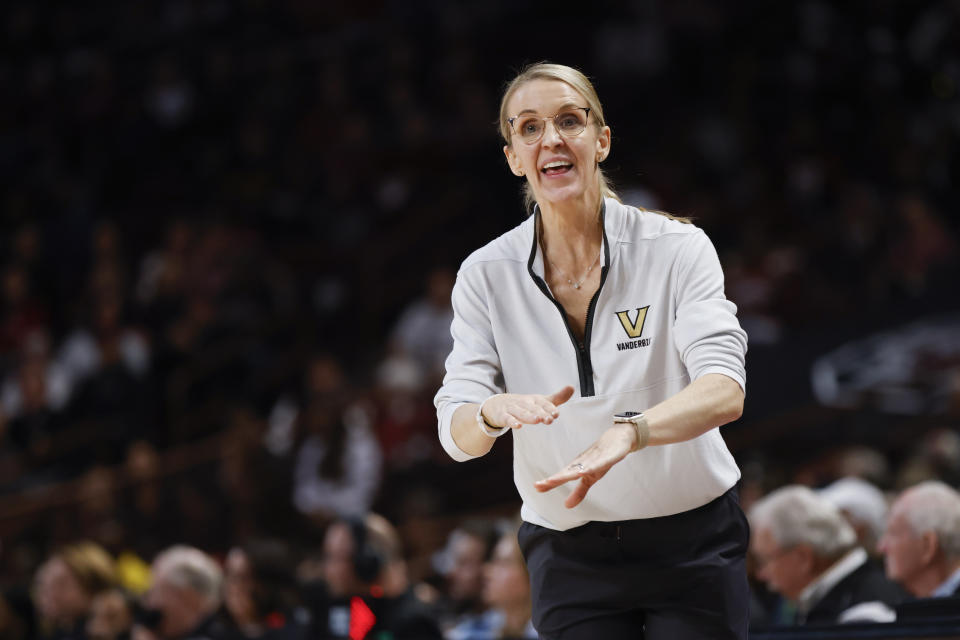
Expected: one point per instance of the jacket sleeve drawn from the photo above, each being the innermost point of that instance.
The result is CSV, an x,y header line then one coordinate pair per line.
x,y
706,331
473,370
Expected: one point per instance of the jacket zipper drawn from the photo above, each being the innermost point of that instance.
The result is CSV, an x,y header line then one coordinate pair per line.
x,y
584,363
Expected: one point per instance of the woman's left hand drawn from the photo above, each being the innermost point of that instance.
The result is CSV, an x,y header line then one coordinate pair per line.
x,y
591,465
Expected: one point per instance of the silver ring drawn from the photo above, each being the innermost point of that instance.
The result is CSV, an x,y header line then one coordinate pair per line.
x,y
579,466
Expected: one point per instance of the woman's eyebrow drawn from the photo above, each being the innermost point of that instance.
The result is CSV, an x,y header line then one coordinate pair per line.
x,y
565,105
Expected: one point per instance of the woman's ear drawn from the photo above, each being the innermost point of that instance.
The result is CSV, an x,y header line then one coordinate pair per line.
x,y
512,160
603,144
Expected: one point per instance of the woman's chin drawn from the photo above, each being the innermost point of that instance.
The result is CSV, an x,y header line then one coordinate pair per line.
x,y
559,195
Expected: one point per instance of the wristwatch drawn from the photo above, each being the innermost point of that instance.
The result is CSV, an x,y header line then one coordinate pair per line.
x,y
639,422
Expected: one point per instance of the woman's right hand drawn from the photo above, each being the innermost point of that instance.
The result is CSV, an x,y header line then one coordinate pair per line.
x,y
513,410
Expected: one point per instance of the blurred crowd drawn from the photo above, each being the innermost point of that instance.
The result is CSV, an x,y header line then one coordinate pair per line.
x,y
229,233
354,583
845,553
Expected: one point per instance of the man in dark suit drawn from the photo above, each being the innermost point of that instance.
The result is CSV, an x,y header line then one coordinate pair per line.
x,y
806,551
921,543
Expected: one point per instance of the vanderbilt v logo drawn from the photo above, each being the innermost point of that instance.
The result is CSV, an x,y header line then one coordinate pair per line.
x,y
633,329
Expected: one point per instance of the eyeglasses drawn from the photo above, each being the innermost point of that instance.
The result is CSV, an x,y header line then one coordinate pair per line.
x,y
568,123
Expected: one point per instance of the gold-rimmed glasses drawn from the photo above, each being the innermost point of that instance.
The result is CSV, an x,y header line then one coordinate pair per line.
x,y
568,123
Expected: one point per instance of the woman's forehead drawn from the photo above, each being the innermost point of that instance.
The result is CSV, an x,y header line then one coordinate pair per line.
x,y
543,95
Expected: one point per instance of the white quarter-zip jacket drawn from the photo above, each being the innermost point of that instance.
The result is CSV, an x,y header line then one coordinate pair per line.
x,y
658,320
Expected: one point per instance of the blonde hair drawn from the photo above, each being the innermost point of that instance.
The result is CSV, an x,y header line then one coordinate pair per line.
x,y
579,83
582,85
383,537
91,564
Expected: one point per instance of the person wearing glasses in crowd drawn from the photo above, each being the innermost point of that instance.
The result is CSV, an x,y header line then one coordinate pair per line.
x,y
806,551
598,334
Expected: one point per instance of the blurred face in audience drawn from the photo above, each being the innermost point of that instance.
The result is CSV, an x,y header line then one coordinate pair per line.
x,y
785,570
59,596
904,551
465,580
338,555
181,609
110,616
505,577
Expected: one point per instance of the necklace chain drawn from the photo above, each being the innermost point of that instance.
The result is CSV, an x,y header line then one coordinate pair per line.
x,y
579,283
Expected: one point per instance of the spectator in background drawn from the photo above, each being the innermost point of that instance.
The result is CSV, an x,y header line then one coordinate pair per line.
x,y
404,414
808,553
260,594
31,432
146,501
255,483
934,456
96,516
34,396
423,331
924,244
106,339
468,549
864,507
921,544
364,570
108,363
506,593
65,588
107,273
337,468
183,598
29,252
21,313
164,273
111,616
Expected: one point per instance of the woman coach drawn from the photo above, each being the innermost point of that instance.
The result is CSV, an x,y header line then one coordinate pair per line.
x,y
628,307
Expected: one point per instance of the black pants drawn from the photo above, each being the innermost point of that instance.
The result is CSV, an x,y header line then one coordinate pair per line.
x,y
676,577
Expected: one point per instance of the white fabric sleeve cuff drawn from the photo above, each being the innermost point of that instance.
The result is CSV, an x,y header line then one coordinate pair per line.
x,y
484,426
444,419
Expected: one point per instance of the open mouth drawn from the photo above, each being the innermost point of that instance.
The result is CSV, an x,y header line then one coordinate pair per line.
x,y
556,168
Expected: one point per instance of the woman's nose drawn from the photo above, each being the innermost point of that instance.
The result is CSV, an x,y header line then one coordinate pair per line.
x,y
551,136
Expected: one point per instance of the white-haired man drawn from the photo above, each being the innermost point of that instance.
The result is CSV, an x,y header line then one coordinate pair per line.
x,y
921,545
808,553
863,505
183,598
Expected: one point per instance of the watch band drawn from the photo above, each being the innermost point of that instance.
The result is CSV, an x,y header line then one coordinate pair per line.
x,y
640,426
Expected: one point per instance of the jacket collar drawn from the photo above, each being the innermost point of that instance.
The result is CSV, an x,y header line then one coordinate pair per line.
x,y
610,220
